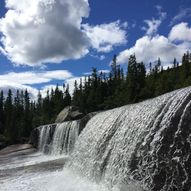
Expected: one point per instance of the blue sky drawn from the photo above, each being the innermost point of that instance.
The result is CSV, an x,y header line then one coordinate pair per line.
x,y
48,42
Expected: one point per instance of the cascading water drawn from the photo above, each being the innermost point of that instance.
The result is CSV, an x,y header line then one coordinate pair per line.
x,y
147,144
144,146
59,139
44,136
65,137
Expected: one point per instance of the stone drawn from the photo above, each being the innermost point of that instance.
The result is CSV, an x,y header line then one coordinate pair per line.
x,y
69,113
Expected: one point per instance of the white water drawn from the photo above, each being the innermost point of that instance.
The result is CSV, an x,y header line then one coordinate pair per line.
x,y
31,159
124,149
136,143
44,136
63,138
52,181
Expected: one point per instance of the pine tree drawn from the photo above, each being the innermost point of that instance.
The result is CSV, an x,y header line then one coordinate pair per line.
x,y
27,115
114,66
9,131
67,97
135,78
2,112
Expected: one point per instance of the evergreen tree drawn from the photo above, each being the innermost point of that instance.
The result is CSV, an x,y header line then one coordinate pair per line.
x,y
135,78
9,131
67,97
1,112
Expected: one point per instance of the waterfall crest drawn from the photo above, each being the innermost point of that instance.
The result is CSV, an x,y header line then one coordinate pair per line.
x,y
148,143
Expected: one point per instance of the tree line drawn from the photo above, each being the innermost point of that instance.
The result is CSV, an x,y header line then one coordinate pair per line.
x,y
99,91
19,114
102,91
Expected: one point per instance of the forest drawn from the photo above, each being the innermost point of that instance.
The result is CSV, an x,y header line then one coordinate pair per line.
x,y
96,92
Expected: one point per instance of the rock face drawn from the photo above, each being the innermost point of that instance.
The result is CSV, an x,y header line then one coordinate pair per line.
x,y
69,113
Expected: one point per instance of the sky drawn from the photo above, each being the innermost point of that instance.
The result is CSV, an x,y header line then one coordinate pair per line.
x,y
49,42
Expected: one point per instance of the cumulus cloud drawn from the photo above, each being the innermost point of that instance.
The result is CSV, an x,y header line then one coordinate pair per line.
x,y
148,49
40,31
153,24
44,31
30,78
180,32
103,37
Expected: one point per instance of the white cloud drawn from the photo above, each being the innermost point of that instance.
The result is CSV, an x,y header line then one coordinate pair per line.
x,y
40,31
44,31
103,37
154,24
180,32
14,86
25,80
184,12
30,78
148,49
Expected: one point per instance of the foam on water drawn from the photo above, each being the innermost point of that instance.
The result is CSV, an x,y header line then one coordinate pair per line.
x,y
53,181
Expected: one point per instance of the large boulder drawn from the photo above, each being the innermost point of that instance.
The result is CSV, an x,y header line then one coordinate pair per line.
x,y
69,113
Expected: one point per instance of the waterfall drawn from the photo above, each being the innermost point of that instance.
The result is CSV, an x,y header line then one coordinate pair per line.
x,y
58,139
64,137
44,136
143,146
148,144
138,147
